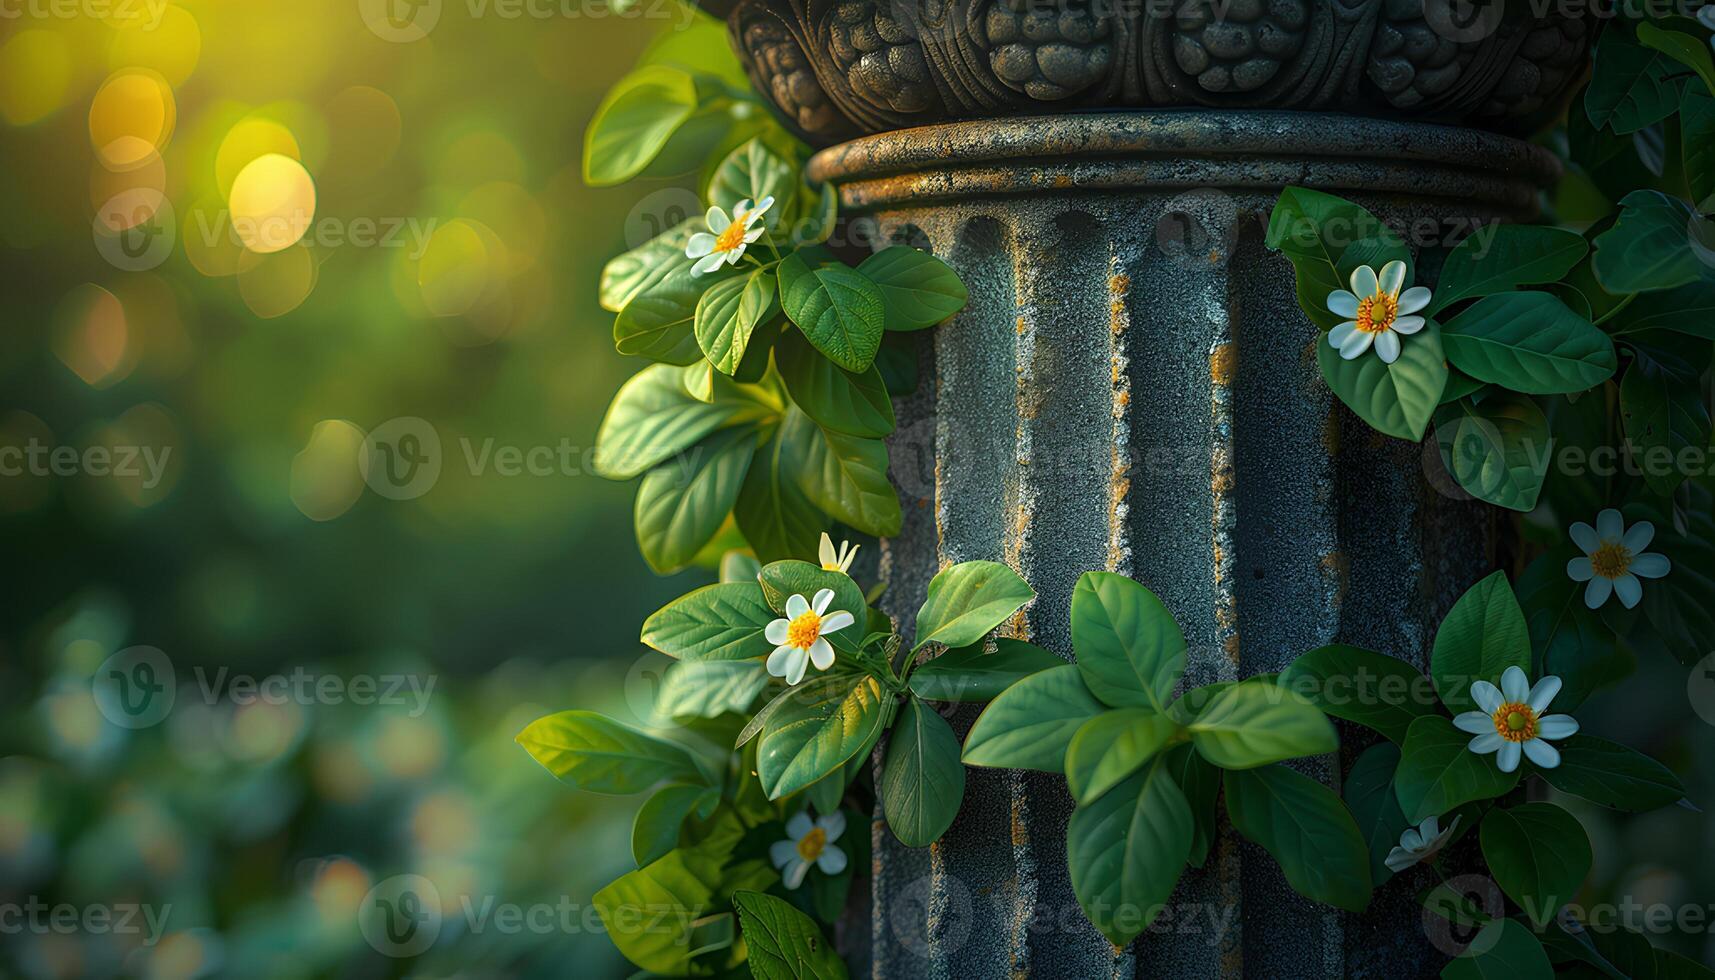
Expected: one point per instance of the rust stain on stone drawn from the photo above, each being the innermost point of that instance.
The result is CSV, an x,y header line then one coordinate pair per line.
x,y
1223,361
1336,568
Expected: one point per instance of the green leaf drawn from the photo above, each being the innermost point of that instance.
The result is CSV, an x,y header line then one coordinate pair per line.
x,y
1481,637
1111,746
655,831
635,121
1395,399
680,509
739,567
841,312
1498,450
729,311
1306,828
918,289
783,579
1030,724
1504,257
1632,86
1372,689
715,622
1438,771
1650,246
817,730
1697,147
751,173
1529,342
837,399
969,674
1256,722
967,600
599,755
1688,309
654,418
1539,855
1503,950
777,518
670,892
1613,775
1689,46
1129,648
1201,783
1127,850
709,688
1375,807
1304,224
1664,411
659,323
630,274
844,475
922,781
784,943
1567,638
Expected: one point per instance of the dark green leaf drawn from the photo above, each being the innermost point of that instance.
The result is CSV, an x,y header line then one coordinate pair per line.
x,y
1566,637
816,731
1395,399
1129,648
1375,807
1306,828
751,173
841,312
1539,855
1500,258
970,674
1438,771
776,517
922,781
1377,691
837,399
1650,246
653,418
1201,783
844,475
1499,450
1111,746
716,622
729,311
1613,775
644,266
1481,637
1529,342
1503,950
656,829
783,579
784,943
680,508
1632,87
918,289
1258,722
1127,850
1030,724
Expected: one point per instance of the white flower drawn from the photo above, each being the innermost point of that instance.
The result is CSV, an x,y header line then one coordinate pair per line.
x,y
837,561
1512,720
810,843
731,235
1613,560
1420,843
1377,311
800,637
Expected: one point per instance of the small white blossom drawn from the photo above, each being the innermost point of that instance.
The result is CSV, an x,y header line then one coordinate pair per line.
x,y
801,636
1377,312
1420,843
1613,559
1512,720
810,842
837,560
731,236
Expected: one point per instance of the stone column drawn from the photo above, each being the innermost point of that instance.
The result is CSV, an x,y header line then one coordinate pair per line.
x,y
1134,388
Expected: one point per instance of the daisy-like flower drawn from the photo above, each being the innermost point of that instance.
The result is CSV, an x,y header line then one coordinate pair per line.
x,y
1512,720
812,842
731,236
840,560
801,638
1420,843
1614,560
1377,312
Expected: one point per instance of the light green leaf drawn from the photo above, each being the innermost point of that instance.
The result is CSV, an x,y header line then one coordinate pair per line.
x,y
709,688
1499,450
1129,648
1030,724
653,418
599,755
918,289
844,475
671,892
967,600
1483,635
1503,257
841,312
630,274
751,173
1307,830
1539,855
816,731
1613,775
1503,950
729,311
1127,850
837,399
1395,399
635,121
679,510
922,781
1258,722
655,831
970,674
1438,771
784,943
659,323
1372,689
1111,746
1529,342
1650,246
715,622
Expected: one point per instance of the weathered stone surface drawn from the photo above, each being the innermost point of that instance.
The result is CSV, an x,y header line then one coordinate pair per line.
x,y
842,68
1133,388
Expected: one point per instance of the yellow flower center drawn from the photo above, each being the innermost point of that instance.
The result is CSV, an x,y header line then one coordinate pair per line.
x,y
1611,560
830,566
811,845
730,239
1376,313
1515,722
803,631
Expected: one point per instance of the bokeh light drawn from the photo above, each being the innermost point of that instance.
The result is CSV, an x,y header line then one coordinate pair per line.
x,y
272,202
131,118
91,336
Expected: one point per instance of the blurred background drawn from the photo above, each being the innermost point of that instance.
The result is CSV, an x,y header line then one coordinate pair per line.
x,y
237,238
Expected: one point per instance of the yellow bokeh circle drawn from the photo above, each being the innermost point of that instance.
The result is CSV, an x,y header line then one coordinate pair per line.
x,y
131,118
272,203
164,38
248,139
